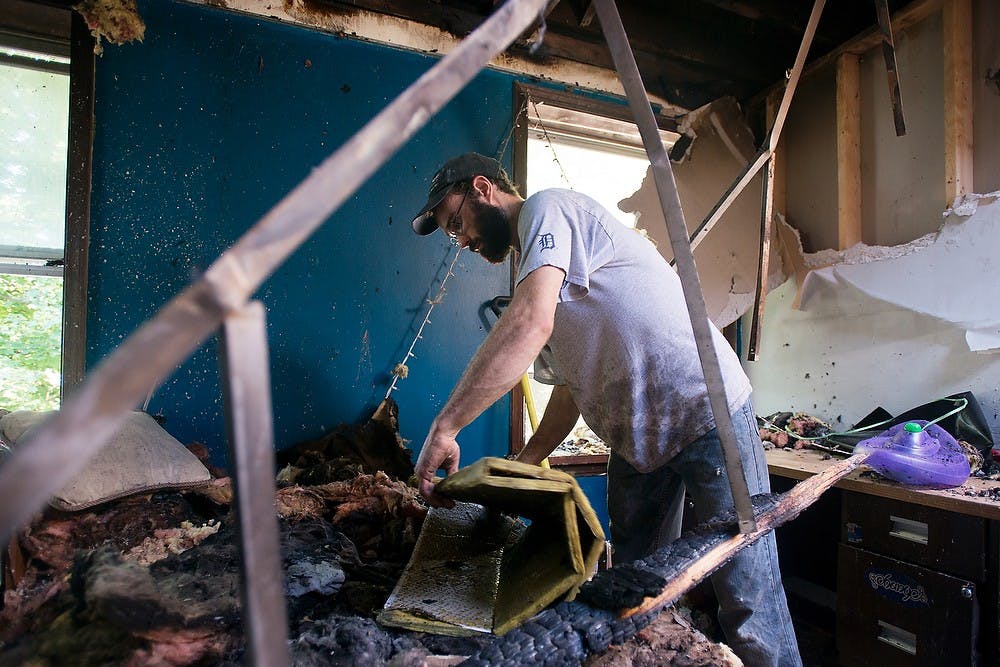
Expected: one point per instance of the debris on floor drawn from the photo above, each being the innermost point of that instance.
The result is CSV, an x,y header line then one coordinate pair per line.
x,y
584,442
786,429
154,579
670,639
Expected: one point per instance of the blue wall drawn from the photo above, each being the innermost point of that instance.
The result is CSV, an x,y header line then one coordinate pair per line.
x,y
207,124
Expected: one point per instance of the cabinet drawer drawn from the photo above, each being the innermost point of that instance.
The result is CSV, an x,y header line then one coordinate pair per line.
x,y
942,540
894,613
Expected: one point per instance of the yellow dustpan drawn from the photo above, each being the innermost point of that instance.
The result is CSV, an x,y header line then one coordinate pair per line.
x,y
474,569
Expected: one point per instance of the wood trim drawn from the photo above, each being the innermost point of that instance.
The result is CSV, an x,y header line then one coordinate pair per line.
x,y
958,139
848,150
78,184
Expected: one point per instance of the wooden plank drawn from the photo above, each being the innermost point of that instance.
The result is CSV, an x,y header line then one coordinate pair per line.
x,y
966,499
958,138
780,180
62,445
848,150
628,72
792,503
763,263
78,183
889,55
246,389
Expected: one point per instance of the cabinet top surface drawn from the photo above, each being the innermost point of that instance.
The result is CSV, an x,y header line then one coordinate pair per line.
x,y
977,497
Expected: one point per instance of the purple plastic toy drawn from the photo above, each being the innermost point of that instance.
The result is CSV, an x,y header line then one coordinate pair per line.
x,y
917,454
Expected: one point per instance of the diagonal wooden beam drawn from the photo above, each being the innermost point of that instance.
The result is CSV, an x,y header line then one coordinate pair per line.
x,y
789,506
763,262
628,72
63,444
889,53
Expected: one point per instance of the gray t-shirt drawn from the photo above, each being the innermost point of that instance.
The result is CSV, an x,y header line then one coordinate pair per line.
x,y
622,340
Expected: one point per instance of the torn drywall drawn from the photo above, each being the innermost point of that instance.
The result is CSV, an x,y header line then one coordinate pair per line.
x,y
850,353
946,275
727,258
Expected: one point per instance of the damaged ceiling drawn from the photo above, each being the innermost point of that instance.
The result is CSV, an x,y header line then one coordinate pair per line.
x,y
689,52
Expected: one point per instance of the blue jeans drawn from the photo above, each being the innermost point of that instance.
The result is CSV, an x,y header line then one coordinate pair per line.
x,y
645,511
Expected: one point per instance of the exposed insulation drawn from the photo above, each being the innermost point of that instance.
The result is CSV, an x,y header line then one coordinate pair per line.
x,y
117,21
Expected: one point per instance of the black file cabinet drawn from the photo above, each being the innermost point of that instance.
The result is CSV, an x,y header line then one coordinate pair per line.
x,y
916,585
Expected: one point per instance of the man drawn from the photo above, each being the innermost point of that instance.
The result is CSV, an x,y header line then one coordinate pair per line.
x,y
607,315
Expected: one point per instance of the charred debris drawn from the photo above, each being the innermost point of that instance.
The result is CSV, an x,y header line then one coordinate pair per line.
x,y
154,579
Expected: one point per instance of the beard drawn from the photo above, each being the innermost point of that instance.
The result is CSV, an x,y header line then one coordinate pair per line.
x,y
493,243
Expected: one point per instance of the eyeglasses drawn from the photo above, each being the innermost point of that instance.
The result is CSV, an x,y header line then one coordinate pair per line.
x,y
455,225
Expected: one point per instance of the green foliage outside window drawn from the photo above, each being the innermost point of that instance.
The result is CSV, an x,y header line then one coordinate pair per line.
x,y
30,329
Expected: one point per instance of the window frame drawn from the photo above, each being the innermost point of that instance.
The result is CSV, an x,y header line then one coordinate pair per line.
x,y
64,32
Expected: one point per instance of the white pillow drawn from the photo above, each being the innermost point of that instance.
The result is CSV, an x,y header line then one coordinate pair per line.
x,y
140,457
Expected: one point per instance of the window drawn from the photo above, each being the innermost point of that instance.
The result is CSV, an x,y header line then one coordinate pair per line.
x,y
568,141
40,297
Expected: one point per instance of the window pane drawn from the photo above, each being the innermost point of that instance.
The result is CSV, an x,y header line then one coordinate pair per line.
x,y
30,326
608,174
34,110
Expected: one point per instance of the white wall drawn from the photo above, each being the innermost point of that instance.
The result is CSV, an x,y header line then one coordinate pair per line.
x,y
848,352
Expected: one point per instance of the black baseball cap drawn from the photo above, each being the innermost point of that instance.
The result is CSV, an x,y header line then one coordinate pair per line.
x,y
455,170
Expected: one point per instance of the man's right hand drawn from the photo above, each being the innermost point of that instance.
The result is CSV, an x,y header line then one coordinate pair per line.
x,y
440,450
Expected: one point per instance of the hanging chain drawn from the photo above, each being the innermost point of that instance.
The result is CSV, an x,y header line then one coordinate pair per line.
x,y
401,370
548,142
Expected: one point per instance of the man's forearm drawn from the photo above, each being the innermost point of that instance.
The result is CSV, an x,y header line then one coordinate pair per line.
x,y
508,350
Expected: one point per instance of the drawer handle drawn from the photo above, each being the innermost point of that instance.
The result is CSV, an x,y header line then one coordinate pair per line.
x,y
908,529
898,637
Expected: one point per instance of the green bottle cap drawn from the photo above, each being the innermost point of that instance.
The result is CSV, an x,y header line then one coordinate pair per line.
x,y
913,427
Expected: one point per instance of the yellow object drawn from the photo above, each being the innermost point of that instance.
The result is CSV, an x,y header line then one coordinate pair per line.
x,y
529,402
476,570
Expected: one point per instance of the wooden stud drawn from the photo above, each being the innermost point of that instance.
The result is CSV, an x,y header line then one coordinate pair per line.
x,y
848,150
957,46
763,262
